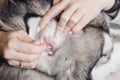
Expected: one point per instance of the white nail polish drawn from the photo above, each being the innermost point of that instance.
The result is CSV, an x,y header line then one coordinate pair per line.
x,y
38,29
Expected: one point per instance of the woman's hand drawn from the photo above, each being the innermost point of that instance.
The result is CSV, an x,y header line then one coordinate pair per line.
x,y
19,49
74,14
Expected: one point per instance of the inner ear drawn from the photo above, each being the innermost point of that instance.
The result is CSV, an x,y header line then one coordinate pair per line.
x,y
27,17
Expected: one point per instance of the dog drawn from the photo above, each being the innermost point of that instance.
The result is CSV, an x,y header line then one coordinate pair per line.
x,y
74,55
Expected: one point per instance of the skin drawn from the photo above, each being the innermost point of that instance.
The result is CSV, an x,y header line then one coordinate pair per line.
x,y
74,14
17,46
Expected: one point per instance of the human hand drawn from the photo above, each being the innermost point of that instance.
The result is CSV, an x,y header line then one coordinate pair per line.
x,y
74,14
19,49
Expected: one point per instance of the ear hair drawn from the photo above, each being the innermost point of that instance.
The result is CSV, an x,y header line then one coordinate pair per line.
x,y
3,6
4,26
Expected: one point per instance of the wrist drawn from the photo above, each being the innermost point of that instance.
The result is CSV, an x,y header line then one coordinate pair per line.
x,y
114,14
112,8
109,4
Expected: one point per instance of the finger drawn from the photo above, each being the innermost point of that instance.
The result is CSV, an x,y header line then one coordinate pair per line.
x,y
67,30
23,36
28,65
18,56
37,43
65,17
22,64
56,1
53,12
75,18
25,47
13,63
82,23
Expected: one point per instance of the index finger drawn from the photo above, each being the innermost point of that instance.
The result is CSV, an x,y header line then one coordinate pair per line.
x,y
25,47
53,12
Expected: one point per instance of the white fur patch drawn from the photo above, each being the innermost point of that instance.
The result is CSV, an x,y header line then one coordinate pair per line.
x,y
33,25
103,72
115,31
107,43
107,48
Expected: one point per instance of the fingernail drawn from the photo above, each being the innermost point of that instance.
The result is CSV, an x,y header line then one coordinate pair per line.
x,y
41,28
67,32
38,29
